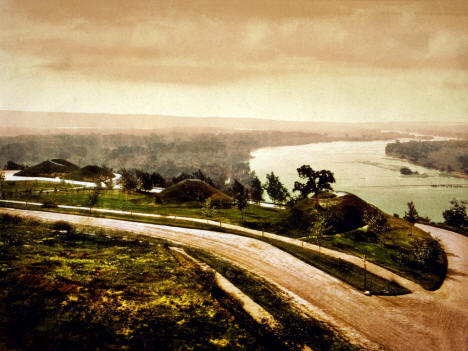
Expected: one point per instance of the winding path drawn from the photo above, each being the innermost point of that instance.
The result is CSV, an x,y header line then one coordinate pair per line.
x,y
418,321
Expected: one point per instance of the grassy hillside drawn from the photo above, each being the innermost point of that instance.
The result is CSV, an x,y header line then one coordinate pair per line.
x,y
190,190
90,173
50,168
64,169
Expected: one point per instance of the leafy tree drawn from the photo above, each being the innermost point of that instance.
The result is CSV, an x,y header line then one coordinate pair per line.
x,y
456,215
424,251
144,180
92,200
237,188
158,180
275,189
256,190
207,209
411,215
10,165
241,196
376,221
319,227
128,180
317,181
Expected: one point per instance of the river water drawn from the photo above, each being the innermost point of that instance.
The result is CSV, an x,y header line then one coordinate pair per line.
x,y
363,168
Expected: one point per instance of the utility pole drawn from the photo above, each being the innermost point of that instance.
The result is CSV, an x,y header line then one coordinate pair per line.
x,y
365,274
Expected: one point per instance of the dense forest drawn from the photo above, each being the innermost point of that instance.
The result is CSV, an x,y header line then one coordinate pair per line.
x,y
220,156
450,155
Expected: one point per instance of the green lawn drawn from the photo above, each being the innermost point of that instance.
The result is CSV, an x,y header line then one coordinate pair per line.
x,y
28,185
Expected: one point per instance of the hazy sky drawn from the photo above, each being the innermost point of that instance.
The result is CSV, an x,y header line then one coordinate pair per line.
x,y
332,60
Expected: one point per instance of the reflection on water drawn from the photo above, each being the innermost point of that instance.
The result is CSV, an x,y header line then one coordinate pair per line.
x,y
364,169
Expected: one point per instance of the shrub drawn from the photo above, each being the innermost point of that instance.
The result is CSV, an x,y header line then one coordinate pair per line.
x,y
221,203
49,204
9,219
456,215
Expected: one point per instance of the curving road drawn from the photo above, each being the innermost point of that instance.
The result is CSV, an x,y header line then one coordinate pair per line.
x,y
418,321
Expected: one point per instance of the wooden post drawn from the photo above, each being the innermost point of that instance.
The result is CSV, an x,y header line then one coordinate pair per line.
x,y
365,274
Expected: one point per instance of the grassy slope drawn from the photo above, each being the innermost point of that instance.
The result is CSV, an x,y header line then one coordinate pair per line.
x,y
90,174
48,168
65,291
191,190
28,185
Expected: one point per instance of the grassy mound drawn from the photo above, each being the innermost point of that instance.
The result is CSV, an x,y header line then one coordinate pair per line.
x,y
190,190
344,213
90,173
50,168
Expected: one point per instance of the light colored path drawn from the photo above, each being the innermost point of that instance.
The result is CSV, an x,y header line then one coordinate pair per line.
x,y
10,176
358,261
419,321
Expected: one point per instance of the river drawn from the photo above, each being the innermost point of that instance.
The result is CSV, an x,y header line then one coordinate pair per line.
x,y
363,168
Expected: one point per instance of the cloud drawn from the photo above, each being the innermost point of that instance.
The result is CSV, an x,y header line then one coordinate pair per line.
x,y
208,42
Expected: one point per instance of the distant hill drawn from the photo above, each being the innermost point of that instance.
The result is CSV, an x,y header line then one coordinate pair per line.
x,y
67,170
26,122
191,190
13,166
50,168
90,173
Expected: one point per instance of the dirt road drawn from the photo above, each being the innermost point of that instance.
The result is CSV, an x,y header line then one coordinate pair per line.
x,y
418,321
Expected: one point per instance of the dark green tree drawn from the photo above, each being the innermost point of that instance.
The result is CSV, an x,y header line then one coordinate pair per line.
x,y
144,180
317,182
128,180
158,180
93,199
376,221
456,215
241,196
256,190
411,215
275,189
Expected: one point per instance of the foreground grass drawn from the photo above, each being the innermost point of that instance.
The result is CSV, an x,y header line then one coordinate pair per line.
x,y
60,290
33,185
346,272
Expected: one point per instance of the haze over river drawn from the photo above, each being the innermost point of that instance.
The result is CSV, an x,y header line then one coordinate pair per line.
x,y
363,168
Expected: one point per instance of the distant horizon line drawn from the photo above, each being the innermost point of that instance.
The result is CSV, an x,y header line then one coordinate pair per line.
x,y
238,117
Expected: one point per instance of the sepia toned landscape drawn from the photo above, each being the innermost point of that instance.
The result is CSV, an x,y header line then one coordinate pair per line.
x,y
237,175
